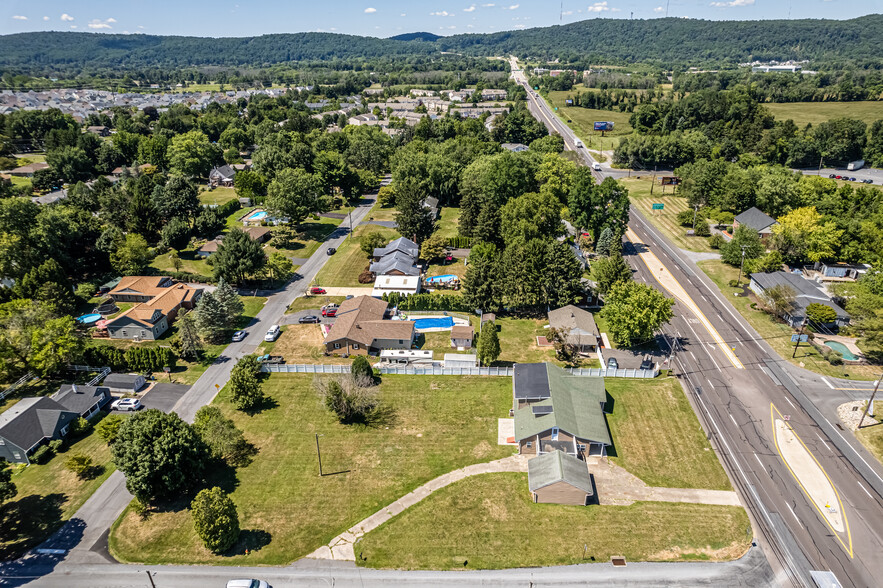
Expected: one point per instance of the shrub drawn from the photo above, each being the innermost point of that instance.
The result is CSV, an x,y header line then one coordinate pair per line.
x,y
348,400
56,445
80,427
81,465
702,229
733,283
366,277
820,313
716,240
215,519
109,427
42,455
685,218
361,371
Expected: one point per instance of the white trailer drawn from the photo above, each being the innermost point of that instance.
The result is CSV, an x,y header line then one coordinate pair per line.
x,y
854,165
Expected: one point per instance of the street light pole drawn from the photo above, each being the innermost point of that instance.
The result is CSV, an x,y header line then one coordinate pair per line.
x,y
870,402
741,263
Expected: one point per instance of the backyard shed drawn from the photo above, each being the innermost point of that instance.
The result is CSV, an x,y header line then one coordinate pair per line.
x,y
558,478
125,383
461,360
461,336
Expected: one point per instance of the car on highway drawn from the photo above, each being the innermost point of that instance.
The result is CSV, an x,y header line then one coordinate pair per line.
x,y
612,364
317,290
331,251
127,404
238,336
272,333
310,318
838,178
247,584
832,176
867,181
596,166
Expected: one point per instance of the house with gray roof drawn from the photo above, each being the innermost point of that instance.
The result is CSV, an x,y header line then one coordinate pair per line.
x,y
395,264
555,410
757,220
806,292
29,423
86,401
221,175
401,245
559,478
579,325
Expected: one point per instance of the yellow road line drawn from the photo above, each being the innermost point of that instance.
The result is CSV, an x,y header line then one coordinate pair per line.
x,y
848,549
651,261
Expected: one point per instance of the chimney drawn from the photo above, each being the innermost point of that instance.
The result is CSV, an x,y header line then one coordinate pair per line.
x,y
76,390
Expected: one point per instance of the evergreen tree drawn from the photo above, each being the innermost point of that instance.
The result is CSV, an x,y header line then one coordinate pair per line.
x,y
210,318
238,257
413,220
189,345
604,242
361,371
176,234
481,284
245,384
488,346
230,303
215,519
608,271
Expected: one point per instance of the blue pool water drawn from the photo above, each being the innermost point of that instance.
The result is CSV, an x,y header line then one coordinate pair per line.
x,y
434,323
88,319
842,350
258,215
445,278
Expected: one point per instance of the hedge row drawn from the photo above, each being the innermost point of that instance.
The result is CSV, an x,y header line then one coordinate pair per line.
x,y
135,359
228,208
459,242
429,301
189,277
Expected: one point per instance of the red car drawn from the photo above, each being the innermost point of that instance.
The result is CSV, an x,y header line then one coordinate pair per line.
x,y
329,311
317,290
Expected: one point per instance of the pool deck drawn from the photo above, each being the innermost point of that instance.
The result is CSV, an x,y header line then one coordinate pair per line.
x,y
848,342
457,321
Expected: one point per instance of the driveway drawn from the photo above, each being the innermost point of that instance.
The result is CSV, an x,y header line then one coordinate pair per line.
x,y
291,319
628,359
163,396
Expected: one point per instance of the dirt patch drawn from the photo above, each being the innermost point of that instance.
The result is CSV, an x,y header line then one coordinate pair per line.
x,y
850,414
731,552
495,510
483,449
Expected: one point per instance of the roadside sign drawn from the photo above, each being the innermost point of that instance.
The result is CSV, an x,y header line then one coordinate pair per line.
x,y
795,338
799,338
604,125
166,369
658,206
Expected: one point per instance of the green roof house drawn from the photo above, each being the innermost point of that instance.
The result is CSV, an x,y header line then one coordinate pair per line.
x,y
555,410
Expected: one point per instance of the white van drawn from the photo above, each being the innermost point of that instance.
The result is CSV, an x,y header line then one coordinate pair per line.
x,y
596,166
273,333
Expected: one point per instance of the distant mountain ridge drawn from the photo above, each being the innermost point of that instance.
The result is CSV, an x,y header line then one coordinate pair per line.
x,y
671,41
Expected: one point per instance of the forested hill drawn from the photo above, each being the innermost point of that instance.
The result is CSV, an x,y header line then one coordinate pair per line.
x,y
667,41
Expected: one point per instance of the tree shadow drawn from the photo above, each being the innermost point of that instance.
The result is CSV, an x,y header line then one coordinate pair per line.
x,y
29,519
383,415
268,403
26,570
250,540
222,475
92,472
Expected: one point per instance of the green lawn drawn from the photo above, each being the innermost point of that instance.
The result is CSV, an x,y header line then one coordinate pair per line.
x,y
20,181
189,262
490,522
286,510
343,268
778,334
448,223
518,341
220,195
583,120
666,219
804,113
47,496
380,213
308,302
657,437
872,436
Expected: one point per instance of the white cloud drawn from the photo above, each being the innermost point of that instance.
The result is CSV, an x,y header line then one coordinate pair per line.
x,y
73,26
111,20
512,7
598,7
732,4
370,10
98,24
567,12
451,28
659,9
490,5
470,9
67,17
470,26
19,17
519,26
45,18
403,14
441,13
141,27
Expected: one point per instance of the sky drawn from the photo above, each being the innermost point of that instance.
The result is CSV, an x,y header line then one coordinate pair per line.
x,y
382,18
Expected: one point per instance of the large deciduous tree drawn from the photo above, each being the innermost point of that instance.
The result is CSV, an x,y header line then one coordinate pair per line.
x,y
245,384
191,154
131,256
634,312
294,194
179,198
803,235
413,220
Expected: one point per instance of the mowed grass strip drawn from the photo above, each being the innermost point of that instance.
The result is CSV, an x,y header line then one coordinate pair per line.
x,y
666,219
583,121
658,438
872,436
343,268
48,495
490,522
804,113
777,333
286,510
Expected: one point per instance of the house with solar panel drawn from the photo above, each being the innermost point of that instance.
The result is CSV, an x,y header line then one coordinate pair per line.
x,y
557,411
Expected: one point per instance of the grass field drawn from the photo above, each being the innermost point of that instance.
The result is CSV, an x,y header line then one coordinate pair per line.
x,y
18,181
657,437
286,510
872,436
489,521
778,334
343,268
666,219
448,223
583,119
217,196
301,344
189,262
803,113
48,495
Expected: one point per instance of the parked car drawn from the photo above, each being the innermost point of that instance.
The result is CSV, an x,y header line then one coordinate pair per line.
x,y
852,179
832,176
305,320
647,364
129,404
331,251
867,181
272,333
612,364
239,336
271,359
329,310
317,290
838,178
247,584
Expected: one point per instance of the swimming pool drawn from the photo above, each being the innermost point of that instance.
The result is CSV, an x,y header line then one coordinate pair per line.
x,y
88,319
445,278
261,214
434,323
842,350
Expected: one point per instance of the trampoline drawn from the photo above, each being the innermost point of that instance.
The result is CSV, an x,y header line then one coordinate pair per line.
x,y
88,319
446,322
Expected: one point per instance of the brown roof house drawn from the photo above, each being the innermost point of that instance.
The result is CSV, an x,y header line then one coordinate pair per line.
x,y
159,300
559,478
359,329
461,337
27,171
579,324
555,410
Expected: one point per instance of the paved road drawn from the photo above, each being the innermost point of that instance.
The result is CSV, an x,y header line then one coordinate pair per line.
x,y
736,405
865,173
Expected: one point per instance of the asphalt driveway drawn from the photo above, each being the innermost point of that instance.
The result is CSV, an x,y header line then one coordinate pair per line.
x,y
163,396
293,318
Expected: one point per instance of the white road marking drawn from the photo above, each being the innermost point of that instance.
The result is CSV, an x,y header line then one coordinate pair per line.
x,y
793,514
853,449
825,380
710,383
823,442
760,462
734,420
791,403
865,489
694,357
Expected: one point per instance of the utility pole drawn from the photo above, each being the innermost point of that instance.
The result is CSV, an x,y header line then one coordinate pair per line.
x,y
820,164
319,454
797,343
695,212
871,401
741,263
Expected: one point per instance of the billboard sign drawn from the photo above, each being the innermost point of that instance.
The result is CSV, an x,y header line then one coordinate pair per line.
x,y
603,126
569,102
670,180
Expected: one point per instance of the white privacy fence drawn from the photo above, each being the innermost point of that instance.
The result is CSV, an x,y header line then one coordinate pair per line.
x,y
308,368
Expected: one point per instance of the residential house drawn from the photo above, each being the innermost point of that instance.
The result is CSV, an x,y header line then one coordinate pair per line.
x,y
460,360
387,284
431,203
493,94
86,401
27,171
579,324
555,410
124,383
559,478
29,423
395,264
362,119
359,328
208,248
514,147
806,292
757,220
402,245
99,130
159,300
259,234
221,176
50,198
461,336
840,271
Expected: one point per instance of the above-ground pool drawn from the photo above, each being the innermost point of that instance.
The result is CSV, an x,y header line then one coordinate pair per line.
x,y
88,319
842,350
446,322
445,278
259,215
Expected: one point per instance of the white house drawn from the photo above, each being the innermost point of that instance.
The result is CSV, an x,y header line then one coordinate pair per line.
x,y
402,284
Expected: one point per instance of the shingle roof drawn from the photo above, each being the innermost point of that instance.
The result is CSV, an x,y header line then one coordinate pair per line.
x,y
806,291
556,466
350,313
82,398
32,419
756,219
122,380
576,403
397,260
225,171
462,332
583,330
401,244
